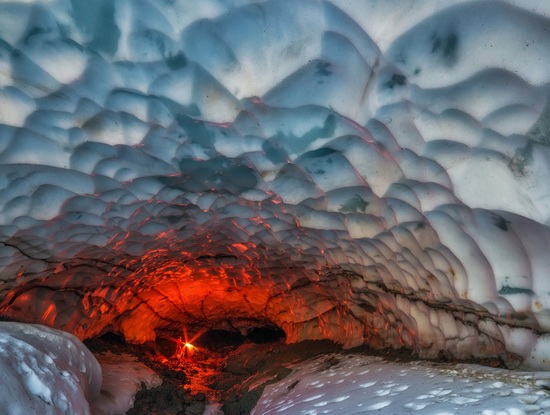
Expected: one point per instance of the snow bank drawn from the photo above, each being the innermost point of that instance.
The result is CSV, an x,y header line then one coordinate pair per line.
x,y
356,384
45,371
123,377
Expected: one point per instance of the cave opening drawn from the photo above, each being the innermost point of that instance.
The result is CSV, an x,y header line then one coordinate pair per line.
x,y
262,335
215,363
216,339
220,339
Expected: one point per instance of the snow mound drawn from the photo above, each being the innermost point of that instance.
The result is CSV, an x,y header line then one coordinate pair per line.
x,y
123,377
45,371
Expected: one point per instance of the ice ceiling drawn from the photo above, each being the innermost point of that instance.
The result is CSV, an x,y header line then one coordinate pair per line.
x,y
363,171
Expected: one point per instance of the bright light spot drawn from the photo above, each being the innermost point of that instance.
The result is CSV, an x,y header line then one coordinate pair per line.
x,y
184,349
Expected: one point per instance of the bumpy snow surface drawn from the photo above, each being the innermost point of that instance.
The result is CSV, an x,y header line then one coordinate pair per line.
x,y
50,372
371,172
45,371
354,384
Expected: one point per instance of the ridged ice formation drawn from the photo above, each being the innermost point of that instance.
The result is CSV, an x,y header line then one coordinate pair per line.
x,y
366,172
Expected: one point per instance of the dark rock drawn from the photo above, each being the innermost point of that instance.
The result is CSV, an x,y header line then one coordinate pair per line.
x,y
196,408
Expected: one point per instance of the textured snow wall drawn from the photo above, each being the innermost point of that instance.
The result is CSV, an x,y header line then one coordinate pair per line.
x,y
363,171
45,371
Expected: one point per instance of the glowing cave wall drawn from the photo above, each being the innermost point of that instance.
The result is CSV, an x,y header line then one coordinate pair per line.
x,y
371,172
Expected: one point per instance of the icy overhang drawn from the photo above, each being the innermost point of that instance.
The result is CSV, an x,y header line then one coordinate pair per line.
x,y
362,172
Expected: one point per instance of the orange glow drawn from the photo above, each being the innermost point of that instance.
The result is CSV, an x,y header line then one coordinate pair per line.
x,y
184,350
240,247
184,346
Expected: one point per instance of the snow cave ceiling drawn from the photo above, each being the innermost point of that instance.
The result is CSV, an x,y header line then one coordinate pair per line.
x,y
370,172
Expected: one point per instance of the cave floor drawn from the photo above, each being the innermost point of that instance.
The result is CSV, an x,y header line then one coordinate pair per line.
x,y
317,377
230,377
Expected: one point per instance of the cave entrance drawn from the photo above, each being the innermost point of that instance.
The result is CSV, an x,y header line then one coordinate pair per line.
x,y
212,373
215,340
218,339
261,335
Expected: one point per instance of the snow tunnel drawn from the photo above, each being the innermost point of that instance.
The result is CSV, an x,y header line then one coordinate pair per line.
x,y
370,173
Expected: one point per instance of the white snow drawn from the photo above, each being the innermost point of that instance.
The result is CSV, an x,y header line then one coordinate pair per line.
x,y
358,384
45,371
